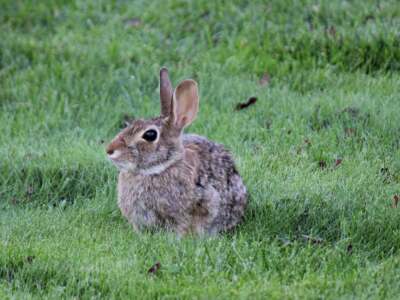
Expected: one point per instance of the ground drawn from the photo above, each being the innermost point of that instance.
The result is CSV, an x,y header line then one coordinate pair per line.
x,y
318,151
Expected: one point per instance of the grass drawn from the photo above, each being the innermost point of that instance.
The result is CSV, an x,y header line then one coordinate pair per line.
x,y
319,151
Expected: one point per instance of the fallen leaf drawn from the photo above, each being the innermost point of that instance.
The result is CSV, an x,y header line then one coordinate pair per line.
x,y
396,199
250,101
338,162
265,79
154,268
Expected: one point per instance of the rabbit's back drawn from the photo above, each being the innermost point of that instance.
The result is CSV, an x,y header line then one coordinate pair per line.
x,y
216,172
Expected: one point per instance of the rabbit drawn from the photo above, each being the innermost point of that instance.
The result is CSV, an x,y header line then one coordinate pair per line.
x,y
184,183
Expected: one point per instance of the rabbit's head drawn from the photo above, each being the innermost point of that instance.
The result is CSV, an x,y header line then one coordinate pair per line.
x,y
151,146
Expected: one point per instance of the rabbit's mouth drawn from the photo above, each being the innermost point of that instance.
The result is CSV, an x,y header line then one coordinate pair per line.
x,y
126,166
121,164
114,155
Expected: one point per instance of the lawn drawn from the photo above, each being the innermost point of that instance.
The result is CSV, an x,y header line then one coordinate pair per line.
x,y
319,151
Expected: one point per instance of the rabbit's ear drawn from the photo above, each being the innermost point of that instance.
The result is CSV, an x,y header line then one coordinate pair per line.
x,y
185,103
166,93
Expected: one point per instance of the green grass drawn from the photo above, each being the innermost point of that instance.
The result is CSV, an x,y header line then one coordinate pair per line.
x,y
70,72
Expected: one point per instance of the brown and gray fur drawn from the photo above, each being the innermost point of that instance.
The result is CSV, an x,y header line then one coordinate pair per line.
x,y
181,182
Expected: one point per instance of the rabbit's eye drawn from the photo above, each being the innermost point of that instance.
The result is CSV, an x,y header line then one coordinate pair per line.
x,y
150,135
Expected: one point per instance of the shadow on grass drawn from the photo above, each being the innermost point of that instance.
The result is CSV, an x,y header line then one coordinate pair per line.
x,y
313,219
47,185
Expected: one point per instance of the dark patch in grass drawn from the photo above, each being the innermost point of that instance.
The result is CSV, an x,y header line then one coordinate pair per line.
x,y
30,258
349,249
154,268
322,164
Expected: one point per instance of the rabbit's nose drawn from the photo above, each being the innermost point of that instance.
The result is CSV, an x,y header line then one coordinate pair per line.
x,y
117,143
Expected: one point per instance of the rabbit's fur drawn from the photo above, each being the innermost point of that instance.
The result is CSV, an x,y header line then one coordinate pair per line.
x,y
177,181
